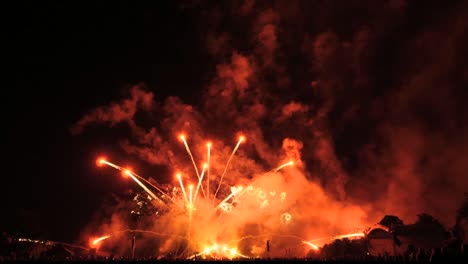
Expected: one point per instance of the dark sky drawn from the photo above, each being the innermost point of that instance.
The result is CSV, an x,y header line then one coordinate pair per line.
x,y
68,58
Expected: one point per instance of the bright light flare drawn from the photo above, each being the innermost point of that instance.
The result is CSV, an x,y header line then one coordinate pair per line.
x,y
191,197
208,146
233,251
127,172
353,235
221,252
313,246
290,163
182,137
101,161
234,192
96,241
179,177
187,148
286,218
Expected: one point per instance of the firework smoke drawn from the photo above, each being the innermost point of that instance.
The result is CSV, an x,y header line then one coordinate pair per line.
x,y
361,146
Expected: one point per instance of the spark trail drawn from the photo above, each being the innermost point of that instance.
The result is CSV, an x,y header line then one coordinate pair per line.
x,y
200,182
203,225
208,146
97,240
134,177
241,139
179,177
182,137
290,163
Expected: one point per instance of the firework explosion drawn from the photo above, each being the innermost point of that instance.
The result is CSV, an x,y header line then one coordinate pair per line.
x,y
330,144
225,220
252,197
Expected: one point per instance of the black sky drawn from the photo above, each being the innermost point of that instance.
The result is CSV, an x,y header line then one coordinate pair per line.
x,y
66,58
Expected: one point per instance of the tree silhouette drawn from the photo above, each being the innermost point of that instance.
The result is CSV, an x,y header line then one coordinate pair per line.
x,y
391,221
345,248
427,223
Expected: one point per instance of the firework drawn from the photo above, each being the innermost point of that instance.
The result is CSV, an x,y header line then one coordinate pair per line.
x,y
179,177
235,191
203,237
200,181
208,147
353,235
290,163
96,241
313,246
241,139
135,177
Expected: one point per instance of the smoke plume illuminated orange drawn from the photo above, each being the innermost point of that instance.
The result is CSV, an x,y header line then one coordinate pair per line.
x,y
263,194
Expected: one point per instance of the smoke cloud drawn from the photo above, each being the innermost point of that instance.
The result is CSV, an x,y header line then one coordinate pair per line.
x,y
367,103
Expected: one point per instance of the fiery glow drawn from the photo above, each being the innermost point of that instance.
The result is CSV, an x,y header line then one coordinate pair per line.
x,y
290,163
286,218
179,177
200,181
208,146
217,252
100,161
241,139
354,235
313,246
126,172
96,241
201,223
191,197
235,191
182,137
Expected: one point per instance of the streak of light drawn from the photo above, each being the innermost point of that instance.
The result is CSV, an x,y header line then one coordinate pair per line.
x,y
241,139
313,246
135,177
182,137
208,146
97,240
239,189
182,187
290,163
200,181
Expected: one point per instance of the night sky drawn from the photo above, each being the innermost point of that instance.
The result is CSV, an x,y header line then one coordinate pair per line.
x,y
69,58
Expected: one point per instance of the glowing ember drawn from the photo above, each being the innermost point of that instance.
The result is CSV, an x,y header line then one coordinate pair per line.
x,y
100,162
96,241
127,172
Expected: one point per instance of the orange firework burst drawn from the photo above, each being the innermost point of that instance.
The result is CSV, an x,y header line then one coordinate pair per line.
x,y
205,223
